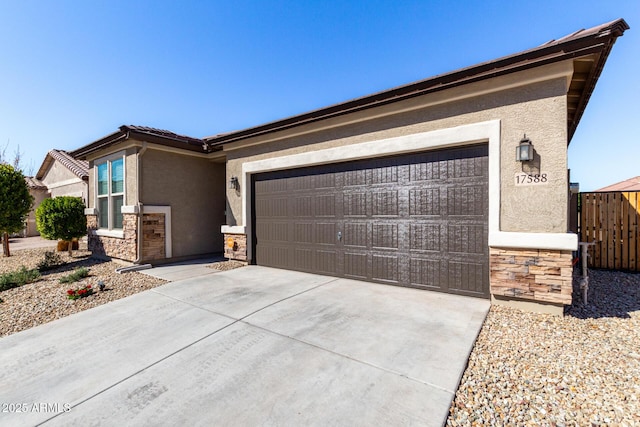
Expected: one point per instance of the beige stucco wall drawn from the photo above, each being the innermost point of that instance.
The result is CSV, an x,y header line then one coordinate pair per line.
x,y
537,109
38,196
62,182
194,188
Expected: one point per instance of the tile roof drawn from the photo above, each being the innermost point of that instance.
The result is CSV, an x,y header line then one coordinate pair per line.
x,y
144,134
163,133
596,41
631,184
80,168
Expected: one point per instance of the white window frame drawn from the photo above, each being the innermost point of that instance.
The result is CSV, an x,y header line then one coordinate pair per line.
x,y
109,229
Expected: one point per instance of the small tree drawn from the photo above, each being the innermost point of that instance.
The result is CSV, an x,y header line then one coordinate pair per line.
x,y
15,203
61,218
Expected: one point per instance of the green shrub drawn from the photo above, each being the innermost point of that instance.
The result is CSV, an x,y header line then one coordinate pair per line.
x,y
78,274
51,260
18,278
61,218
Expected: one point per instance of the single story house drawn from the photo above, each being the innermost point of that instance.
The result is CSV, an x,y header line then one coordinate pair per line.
x,y
59,175
154,196
457,183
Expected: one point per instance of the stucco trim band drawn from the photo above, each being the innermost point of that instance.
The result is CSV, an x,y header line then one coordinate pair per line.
x,y
166,210
64,183
118,234
554,241
129,209
233,229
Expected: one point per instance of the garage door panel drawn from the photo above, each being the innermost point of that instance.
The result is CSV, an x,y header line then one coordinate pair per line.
x,y
416,220
302,206
425,202
326,233
274,255
303,233
356,265
355,234
324,205
384,268
466,200
273,231
324,181
326,262
303,259
355,204
383,175
425,273
425,237
384,236
466,239
279,186
273,207
384,203
465,277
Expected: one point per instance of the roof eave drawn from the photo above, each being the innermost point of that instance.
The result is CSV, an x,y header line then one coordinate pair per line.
x,y
592,42
125,133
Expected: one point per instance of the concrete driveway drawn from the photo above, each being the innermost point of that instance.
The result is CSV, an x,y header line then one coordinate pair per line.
x,y
252,346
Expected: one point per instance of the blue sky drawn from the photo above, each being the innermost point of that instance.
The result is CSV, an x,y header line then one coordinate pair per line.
x,y
74,71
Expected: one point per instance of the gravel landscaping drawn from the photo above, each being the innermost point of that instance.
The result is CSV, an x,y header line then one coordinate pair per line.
x,y
46,299
582,369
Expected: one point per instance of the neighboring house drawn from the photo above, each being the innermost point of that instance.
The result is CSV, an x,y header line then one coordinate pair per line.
x,y
39,192
631,184
415,186
64,175
153,196
59,175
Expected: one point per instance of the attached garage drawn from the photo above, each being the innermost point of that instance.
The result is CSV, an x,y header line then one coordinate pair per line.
x,y
418,220
419,185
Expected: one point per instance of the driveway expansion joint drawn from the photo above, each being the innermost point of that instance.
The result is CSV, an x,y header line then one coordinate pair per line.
x,y
354,359
162,359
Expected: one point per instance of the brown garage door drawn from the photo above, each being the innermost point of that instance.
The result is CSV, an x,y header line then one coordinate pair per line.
x,y
416,220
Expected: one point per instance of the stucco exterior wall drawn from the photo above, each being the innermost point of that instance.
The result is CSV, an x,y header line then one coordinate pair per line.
x,y
194,188
62,182
538,110
38,196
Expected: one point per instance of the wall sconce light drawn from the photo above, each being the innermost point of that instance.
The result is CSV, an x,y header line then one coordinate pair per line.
x,y
524,151
233,183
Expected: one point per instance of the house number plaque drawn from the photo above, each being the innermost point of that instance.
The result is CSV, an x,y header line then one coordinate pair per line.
x,y
522,178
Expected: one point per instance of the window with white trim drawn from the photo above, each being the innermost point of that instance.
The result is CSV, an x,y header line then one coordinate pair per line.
x,y
110,192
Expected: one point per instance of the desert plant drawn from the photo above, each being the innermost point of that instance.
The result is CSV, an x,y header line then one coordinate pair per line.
x,y
15,203
61,218
78,274
50,260
18,278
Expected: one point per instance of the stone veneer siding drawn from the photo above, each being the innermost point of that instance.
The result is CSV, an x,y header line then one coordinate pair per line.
x,y
114,247
153,236
235,246
530,274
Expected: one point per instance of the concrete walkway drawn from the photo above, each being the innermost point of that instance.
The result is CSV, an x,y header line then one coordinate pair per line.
x,y
19,243
183,270
251,346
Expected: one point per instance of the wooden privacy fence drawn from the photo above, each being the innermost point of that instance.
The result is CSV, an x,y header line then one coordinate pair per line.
x,y
612,221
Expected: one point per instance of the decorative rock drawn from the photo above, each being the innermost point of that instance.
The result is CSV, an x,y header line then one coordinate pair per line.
x,y
537,369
